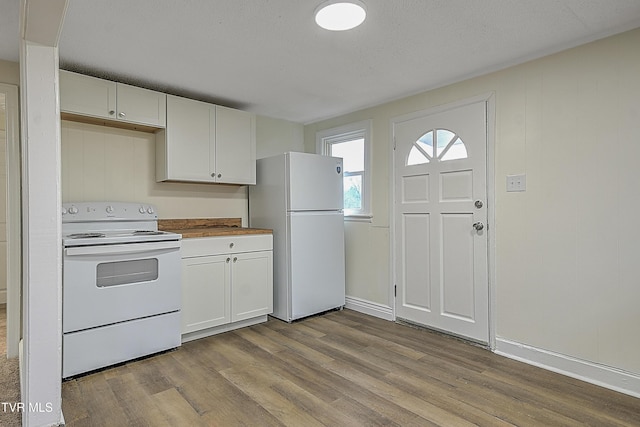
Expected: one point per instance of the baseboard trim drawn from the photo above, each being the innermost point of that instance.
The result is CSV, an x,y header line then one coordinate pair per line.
x,y
196,335
601,375
371,308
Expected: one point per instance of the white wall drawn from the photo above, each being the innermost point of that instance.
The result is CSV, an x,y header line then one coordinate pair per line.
x,y
566,254
276,136
9,72
103,163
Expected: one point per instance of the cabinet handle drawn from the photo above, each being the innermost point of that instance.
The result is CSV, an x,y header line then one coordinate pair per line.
x,y
219,175
231,244
235,259
121,114
111,112
228,259
213,175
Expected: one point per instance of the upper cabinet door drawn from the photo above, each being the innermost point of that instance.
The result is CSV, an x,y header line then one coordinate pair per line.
x,y
89,96
235,161
189,142
142,106
86,95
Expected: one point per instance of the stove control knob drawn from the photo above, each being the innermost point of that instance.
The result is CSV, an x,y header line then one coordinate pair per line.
x,y
142,210
73,210
149,210
109,209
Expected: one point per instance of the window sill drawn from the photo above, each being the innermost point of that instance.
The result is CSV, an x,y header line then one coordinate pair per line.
x,y
358,218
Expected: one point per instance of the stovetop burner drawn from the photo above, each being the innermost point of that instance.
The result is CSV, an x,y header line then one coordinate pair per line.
x,y
111,223
85,235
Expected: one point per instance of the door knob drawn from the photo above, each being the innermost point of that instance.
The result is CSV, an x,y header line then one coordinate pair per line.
x,y
478,226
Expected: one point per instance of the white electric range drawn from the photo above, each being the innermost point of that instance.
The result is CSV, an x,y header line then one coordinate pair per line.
x,y
121,285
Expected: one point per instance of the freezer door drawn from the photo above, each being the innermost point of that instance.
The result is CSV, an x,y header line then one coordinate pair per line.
x,y
315,182
317,262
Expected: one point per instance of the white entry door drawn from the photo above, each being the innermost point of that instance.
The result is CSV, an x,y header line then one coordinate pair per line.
x,y
441,220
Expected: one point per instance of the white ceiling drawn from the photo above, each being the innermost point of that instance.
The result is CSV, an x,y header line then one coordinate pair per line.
x,y
269,57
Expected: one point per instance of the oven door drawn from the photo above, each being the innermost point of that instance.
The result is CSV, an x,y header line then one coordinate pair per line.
x,y
108,284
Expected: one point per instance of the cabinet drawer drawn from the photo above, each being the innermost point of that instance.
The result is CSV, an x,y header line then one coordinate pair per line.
x,y
203,246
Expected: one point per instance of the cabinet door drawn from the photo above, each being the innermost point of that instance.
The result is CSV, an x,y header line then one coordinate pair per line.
x,y
205,292
142,106
190,140
87,96
251,285
235,161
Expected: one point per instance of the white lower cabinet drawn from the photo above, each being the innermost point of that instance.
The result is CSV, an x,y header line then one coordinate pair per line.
x,y
227,282
206,283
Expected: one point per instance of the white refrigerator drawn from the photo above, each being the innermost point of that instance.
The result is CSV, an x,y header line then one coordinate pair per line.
x,y
299,196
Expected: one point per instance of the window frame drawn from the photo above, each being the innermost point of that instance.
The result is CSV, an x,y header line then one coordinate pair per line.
x,y
358,130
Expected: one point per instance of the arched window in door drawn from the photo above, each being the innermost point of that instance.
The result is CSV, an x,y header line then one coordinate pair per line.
x,y
437,145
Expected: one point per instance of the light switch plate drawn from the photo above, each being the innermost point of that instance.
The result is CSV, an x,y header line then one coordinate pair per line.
x,y
516,183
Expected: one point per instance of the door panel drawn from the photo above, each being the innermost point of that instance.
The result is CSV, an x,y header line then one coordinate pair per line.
x,y
441,258
457,266
416,257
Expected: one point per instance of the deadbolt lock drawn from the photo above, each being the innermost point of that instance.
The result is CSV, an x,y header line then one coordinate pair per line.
x,y
478,204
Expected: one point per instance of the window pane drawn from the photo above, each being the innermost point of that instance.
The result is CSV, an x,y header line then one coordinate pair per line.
x,y
426,143
352,153
443,137
353,192
416,157
456,151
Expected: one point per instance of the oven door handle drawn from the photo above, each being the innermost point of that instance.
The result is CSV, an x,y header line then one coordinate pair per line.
x,y
132,248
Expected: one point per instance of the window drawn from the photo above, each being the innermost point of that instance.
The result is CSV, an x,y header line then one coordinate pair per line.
x,y
448,146
351,143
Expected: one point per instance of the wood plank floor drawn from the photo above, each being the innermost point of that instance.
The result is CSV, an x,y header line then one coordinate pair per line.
x,y
339,369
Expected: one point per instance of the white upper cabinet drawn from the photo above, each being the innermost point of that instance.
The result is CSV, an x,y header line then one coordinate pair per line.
x,y
87,95
93,97
235,159
186,149
144,106
206,143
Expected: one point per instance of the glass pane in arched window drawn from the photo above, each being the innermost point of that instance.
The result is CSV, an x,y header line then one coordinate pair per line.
x,y
416,157
422,150
457,150
425,142
443,138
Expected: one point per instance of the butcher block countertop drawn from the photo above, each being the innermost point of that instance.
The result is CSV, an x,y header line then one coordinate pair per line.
x,y
208,227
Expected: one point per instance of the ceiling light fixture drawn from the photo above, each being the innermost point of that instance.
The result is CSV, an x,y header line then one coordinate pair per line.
x,y
336,15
